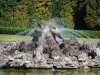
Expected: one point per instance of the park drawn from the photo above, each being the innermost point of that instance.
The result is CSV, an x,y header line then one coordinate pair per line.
x,y
38,36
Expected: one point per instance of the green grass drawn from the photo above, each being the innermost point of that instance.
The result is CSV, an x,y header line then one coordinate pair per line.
x,y
14,38
89,39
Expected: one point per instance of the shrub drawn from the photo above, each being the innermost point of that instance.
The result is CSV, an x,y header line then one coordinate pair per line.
x,y
10,30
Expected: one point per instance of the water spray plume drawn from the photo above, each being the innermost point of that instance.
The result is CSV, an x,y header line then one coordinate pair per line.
x,y
65,32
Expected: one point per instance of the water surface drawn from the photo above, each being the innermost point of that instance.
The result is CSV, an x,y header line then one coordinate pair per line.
x,y
49,72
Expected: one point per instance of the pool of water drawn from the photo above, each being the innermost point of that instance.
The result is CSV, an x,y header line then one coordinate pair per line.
x,y
49,72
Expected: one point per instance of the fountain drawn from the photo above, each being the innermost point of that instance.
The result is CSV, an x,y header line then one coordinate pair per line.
x,y
69,54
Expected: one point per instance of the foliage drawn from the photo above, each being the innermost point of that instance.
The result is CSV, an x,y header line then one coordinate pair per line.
x,y
5,21
10,30
80,14
67,11
43,9
93,14
88,13
13,13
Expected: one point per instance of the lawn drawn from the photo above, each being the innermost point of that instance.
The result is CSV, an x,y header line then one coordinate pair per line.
x,y
14,38
89,39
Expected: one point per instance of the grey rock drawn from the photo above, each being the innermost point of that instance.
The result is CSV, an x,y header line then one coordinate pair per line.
x,y
20,55
83,57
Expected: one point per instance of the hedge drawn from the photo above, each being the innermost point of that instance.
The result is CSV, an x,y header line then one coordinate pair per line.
x,y
11,30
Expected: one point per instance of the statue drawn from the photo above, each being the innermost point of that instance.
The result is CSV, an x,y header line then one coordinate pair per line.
x,y
50,35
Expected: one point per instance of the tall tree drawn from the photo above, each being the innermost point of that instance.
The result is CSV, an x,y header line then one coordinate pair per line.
x,y
93,14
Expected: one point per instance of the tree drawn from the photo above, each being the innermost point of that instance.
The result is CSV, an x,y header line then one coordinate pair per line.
x,y
93,14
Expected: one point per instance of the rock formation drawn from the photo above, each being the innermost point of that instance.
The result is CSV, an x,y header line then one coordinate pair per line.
x,y
71,55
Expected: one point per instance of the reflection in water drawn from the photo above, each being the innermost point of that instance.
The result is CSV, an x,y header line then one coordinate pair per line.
x,y
48,72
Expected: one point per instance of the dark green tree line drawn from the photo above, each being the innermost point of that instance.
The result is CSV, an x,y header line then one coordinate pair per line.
x,y
78,14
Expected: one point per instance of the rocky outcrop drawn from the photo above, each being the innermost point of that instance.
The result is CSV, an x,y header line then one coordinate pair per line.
x,y
71,55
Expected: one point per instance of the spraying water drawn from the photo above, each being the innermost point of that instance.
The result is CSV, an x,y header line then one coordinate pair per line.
x,y
65,32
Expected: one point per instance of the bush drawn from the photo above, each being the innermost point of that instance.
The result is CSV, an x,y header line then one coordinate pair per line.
x,y
10,30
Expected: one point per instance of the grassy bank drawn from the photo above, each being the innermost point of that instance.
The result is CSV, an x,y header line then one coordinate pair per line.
x,y
14,38
89,39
